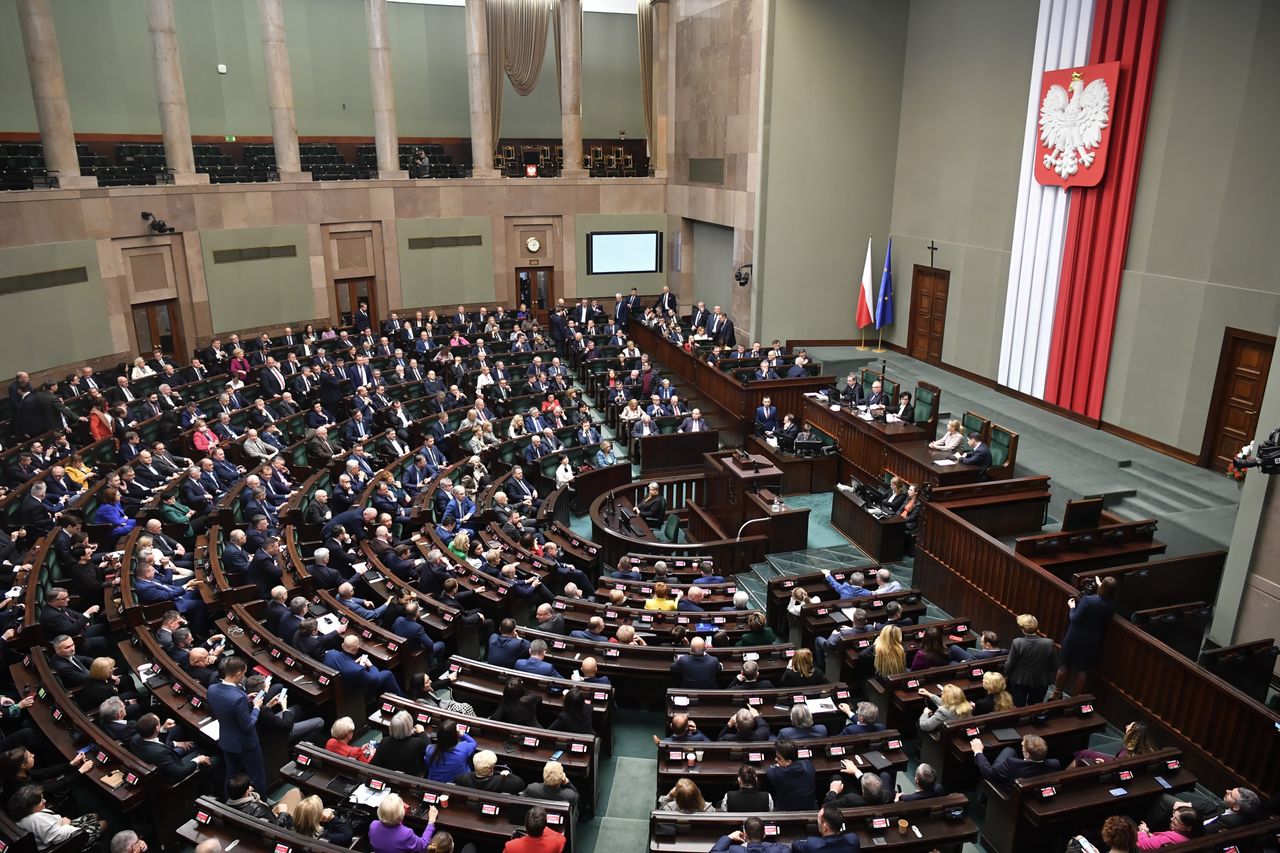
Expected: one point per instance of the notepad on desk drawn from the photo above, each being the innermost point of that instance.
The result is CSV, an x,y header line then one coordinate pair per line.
x,y
944,462
328,623
366,796
823,705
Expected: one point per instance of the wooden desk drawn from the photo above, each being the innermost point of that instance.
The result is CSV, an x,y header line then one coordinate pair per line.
x,y
869,447
779,589
1066,732
882,539
589,485
801,475
664,453
1159,583
717,772
671,832
1000,507
898,698
217,821
710,708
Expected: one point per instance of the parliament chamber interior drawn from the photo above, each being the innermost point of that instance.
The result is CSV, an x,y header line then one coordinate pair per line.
x,y
478,426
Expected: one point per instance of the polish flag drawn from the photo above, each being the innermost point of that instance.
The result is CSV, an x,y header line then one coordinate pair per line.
x,y
866,296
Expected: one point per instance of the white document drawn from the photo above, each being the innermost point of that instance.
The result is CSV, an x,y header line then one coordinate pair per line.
x,y
680,701
866,416
891,418
366,796
329,623
211,729
820,706
944,462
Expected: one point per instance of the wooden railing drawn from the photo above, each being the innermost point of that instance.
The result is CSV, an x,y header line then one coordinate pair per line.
x,y
1229,737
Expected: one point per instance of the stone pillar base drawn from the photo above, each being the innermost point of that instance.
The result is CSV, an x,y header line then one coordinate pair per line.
x,y
189,179
393,176
485,173
294,177
79,182
577,174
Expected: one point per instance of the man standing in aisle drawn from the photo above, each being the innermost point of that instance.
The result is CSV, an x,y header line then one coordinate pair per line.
x,y
237,717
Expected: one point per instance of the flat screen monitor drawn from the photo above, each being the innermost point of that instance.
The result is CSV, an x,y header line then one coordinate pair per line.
x,y
808,445
621,252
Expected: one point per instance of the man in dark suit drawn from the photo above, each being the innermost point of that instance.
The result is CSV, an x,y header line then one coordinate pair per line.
x,y
766,417
172,764
877,397
927,786
271,378
832,838
57,617
41,411
697,670
505,648
358,671
72,669
1009,766
265,570
693,423
667,302
237,717
979,454
550,621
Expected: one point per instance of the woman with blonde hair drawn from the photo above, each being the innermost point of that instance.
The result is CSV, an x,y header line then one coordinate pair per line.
x,y
889,656
951,705
800,671
554,785
312,819
101,686
685,798
388,834
460,547
951,439
997,698
1032,663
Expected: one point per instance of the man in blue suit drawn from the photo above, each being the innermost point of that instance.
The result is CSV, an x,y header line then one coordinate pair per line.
x,y
833,838
1009,766
979,454
358,671
534,663
265,570
186,599
234,558
237,717
408,626
505,648
696,670
766,417
749,839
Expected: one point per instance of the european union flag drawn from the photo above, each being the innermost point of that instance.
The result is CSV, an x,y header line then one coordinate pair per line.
x,y
884,306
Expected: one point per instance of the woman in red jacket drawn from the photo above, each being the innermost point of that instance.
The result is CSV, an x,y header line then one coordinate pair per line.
x,y
340,741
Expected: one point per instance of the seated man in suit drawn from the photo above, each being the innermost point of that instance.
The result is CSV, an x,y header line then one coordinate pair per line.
x,y
853,393
749,839
746,726
979,454
505,648
72,669
358,671
186,598
797,369
697,670
766,371
173,764
535,663
408,626
877,397
58,617
1009,765
694,423
989,647
766,417
265,570
831,838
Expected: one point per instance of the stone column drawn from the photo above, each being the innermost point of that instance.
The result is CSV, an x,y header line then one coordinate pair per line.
x,y
384,96
284,125
171,94
49,92
571,87
482,142
663,90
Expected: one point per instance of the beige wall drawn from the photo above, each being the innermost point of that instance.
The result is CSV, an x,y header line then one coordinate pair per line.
x,y
441,276
264,292
53,326
592,286
831,116
1200,252
964,104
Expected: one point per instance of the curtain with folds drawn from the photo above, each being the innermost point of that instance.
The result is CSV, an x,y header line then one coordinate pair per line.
x,y
644,21
517,44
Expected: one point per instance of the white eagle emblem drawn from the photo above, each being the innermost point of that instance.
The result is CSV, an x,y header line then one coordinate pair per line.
x,y
1070,126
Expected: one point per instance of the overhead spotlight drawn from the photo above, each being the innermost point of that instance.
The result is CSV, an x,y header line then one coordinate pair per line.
x,y
157,226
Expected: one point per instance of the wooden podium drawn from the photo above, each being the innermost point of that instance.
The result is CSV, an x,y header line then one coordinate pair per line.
x,y
740,489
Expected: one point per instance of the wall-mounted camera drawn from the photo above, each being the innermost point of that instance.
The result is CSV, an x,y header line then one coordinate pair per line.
x,y
743,275
156,226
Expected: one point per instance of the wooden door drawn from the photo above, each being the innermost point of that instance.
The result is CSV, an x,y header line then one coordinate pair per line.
x,y
929,287
159,325
353,291
536,287
1237,395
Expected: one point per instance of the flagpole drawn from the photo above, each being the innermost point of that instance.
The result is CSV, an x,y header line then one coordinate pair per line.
x,y
862,330
862,345
879,341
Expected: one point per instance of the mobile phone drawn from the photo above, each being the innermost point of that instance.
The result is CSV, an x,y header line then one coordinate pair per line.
x,y
555,756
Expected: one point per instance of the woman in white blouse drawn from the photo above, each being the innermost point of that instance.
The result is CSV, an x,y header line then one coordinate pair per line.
x,y
141,370
564,474
951,439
